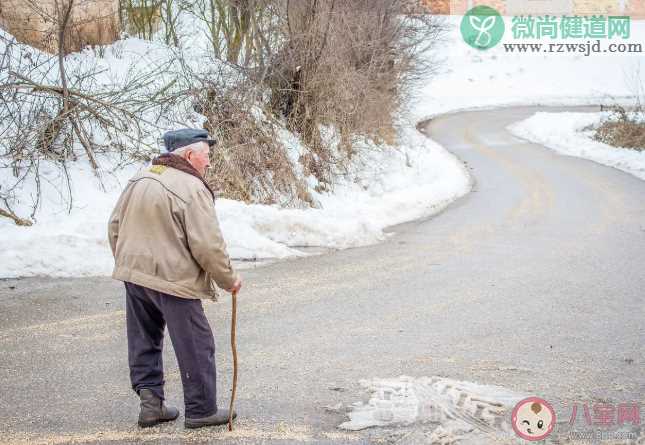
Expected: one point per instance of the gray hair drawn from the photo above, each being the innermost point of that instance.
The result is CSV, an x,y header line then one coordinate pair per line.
x,y
195,146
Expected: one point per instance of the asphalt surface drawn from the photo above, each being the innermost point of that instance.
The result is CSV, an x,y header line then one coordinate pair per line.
x,y
533,281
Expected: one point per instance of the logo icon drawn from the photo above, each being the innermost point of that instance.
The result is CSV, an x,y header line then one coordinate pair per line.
x,y
533,418
482,27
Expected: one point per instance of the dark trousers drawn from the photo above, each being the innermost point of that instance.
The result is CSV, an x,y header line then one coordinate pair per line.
x,y
147,314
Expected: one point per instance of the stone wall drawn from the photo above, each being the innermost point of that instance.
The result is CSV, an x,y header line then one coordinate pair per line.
x,y
92,22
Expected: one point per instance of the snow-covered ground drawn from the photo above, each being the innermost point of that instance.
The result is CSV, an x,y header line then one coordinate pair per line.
x,y
571,134
470,78
387,186
485,79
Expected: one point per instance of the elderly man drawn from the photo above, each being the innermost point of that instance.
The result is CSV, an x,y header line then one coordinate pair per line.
x,y
168,249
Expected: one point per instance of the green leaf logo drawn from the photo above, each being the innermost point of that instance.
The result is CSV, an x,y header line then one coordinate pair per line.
x,y
482,27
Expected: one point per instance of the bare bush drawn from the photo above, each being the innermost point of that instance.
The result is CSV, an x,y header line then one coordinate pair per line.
x,y
315,65
623,129
249,163
625,126
348,65
49,113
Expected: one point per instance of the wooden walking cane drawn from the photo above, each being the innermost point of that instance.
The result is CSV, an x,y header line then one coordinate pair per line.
x,y
234,350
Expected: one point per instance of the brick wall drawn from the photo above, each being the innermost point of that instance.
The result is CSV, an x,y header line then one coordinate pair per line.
x,y
633,8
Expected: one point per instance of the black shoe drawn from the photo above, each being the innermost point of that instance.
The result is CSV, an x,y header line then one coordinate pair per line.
x,y
219,418
153,410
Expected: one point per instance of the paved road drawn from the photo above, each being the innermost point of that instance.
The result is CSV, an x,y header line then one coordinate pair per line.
x,y
533,281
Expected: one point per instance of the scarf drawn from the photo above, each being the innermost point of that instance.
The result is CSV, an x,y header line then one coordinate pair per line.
x,y
179,163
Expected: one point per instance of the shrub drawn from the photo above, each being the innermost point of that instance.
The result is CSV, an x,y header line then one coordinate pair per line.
x,y
623,129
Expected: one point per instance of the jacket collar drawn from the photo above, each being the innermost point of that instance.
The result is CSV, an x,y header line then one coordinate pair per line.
x,y
179,163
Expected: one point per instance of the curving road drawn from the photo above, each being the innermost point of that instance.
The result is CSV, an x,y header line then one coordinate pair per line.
x,y
534,281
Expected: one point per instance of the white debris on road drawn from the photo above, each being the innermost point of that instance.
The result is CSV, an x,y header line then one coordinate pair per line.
x,y
452,410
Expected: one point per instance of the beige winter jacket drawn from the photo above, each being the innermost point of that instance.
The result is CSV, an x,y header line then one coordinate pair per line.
x,y
164,235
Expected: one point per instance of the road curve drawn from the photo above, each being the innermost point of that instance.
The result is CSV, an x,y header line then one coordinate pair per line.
x,y
533,281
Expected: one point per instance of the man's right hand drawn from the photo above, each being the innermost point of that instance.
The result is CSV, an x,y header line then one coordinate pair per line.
x,y
236,286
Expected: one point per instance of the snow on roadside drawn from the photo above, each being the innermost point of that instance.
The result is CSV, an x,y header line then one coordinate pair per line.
x,y
571,134
386,187
469,78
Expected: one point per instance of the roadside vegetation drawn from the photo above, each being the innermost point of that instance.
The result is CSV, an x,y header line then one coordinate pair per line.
x,y
625,129
325,72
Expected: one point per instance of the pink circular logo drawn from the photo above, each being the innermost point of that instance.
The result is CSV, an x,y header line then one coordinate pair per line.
x,y
533,418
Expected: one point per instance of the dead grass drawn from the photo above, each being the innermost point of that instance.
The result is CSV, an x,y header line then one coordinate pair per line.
x,y
623,133
249,163
348,65
622,130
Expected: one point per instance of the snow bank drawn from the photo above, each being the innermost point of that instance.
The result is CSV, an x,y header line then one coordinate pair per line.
x,y
570,134
470,78
386,186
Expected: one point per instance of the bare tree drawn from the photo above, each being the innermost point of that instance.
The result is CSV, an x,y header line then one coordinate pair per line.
x,y
48,113
311,64
350,65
